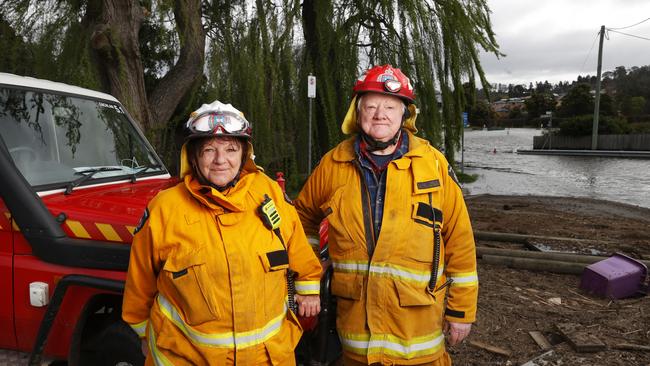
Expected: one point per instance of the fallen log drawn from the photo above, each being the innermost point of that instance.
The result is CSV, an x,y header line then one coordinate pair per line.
x,y
525,238
532,264
507,237
490,348
564,257
550,256
631,347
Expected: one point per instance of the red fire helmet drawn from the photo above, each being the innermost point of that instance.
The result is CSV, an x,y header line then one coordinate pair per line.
x,y
385,79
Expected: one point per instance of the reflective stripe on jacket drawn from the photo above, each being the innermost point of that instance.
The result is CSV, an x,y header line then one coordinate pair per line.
x,y
384,312
207,280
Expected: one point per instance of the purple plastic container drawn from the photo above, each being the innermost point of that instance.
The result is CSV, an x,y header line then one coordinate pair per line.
x,y
616,277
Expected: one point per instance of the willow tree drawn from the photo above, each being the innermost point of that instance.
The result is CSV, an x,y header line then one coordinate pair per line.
x,y
331,54
252,64
97,44
150,54
436,43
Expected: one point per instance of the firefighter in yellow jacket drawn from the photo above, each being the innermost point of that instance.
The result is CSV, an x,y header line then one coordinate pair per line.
x,y
207,282
400,238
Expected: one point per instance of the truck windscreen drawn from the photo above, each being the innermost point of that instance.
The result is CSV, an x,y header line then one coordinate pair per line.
x,y
55,139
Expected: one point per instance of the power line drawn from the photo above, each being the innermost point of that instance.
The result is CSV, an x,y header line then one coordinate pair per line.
x,y
630,35
630,26
589,53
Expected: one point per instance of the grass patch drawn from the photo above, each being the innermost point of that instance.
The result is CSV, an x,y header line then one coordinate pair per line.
x,y
466,178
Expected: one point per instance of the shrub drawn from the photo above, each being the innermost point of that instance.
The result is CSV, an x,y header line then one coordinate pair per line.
x,y
582,126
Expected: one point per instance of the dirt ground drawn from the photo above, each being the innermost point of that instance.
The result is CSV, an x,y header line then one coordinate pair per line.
x,y
513,302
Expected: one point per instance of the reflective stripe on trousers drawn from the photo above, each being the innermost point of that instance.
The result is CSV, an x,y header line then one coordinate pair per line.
x,y
364,344
443,360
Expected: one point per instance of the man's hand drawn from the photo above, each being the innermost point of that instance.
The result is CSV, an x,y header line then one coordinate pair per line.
x,y
456,332
308,305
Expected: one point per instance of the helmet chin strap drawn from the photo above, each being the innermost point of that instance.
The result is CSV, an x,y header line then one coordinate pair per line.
x,y
205,182
374,145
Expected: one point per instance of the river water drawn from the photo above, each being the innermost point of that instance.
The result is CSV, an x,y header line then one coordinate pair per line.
x,y
492,155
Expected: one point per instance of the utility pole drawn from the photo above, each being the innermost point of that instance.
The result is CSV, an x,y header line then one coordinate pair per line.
x,y
550,126
594,132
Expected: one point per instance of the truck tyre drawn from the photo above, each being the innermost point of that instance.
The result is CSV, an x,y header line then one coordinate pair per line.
x,y
119,346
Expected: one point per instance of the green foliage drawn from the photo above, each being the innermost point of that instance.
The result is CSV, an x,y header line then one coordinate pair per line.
x,y
635,83
466,178
515,112
516,91
259,54
54,37
539,103
633,106
480,113
17,58
607,107
578,101
157,48
583,126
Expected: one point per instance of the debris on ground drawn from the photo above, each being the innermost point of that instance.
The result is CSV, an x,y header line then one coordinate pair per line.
x,y
513,302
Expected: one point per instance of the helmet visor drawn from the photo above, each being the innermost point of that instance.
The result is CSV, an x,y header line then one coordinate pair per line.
x,y
219,123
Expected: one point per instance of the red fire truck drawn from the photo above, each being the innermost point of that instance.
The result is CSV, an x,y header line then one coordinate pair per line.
x,y
75,176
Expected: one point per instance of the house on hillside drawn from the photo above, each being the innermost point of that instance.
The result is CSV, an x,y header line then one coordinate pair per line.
x,y
503,107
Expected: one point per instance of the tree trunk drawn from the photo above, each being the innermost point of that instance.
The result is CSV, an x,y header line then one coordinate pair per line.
x,y
171,89
547,256
537,265
117,54
117,51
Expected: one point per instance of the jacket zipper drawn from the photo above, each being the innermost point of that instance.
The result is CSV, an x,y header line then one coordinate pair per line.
x,y
371,241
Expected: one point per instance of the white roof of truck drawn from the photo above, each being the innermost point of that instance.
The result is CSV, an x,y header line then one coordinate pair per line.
x,y
40,84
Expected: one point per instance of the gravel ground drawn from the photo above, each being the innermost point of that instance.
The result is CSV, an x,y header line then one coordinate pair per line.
x,y
514,302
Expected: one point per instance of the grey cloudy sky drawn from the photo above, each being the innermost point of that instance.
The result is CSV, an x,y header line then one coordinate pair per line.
x,y
551,39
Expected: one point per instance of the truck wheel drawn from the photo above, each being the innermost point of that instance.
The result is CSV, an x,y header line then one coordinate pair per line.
x,y
118,345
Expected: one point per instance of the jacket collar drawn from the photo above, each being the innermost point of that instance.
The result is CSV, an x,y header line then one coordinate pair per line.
x,y
344,152
232,199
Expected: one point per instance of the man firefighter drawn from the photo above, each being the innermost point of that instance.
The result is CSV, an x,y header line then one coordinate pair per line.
x,y
400,237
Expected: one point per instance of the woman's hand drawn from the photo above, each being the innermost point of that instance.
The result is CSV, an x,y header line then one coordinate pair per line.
x,y
456,332
144,346
308,305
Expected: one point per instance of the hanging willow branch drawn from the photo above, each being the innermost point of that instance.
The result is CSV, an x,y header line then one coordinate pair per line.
x,y
436,43
259,53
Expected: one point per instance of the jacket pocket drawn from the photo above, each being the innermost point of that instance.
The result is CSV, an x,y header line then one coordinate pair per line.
x,y
413,294
280,348
275,260
341,221
188,277
421,243
272,287
346,286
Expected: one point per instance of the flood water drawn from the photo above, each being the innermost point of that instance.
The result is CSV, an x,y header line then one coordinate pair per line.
x,y
492,155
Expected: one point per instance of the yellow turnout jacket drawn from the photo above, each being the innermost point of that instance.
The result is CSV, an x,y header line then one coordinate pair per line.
x,y
206,281
384,312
